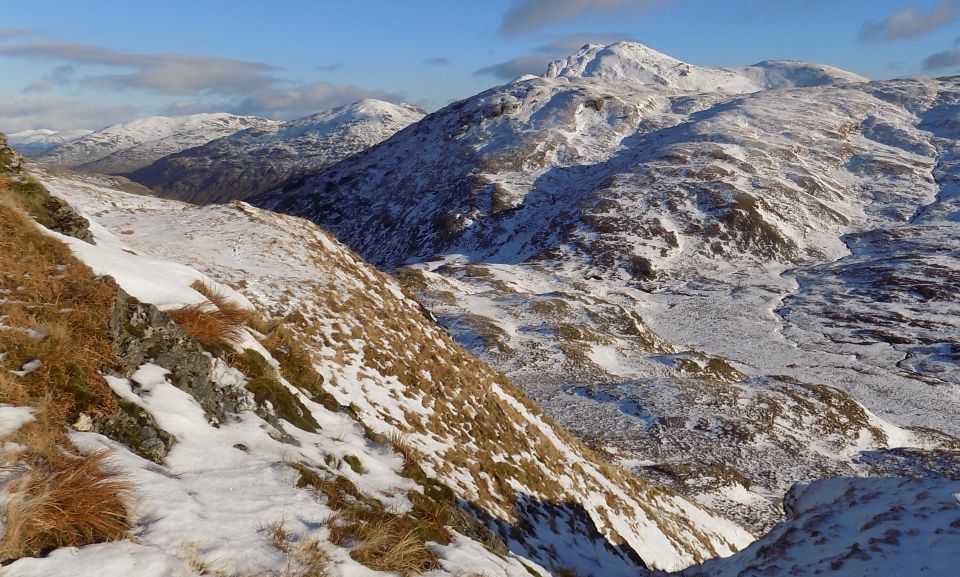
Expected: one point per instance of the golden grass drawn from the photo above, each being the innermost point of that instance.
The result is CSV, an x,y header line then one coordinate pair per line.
x,y
53,310
218,322
385,542
206,325
66,503
306,556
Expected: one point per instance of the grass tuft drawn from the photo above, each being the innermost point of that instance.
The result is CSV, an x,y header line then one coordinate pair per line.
x,y
386,542
209,325
67,503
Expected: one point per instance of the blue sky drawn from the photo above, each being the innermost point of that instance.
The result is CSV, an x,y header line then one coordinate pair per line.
x,y
71,64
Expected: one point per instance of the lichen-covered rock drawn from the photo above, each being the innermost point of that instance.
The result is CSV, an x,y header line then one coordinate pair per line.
x,y
65,220
137,429
142,333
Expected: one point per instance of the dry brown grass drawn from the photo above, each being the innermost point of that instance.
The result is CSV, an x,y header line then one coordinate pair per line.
x,y
306,556
385,542
218,322
66,503
56,312
207,324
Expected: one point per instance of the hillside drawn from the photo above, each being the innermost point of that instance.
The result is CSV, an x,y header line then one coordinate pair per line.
x,y
856,527
666,256
255,160
37,142
125,147
332,426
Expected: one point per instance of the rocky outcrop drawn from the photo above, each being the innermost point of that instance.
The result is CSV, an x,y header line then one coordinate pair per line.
x,y
63,219
142,333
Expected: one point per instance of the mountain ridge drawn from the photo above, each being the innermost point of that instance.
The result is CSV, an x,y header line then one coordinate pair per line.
x,y
252,161
124,147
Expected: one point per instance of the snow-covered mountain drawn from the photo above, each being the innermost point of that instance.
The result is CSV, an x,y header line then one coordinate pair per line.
x,y
731,280
37,142
125,147
338,414
636,63
257,159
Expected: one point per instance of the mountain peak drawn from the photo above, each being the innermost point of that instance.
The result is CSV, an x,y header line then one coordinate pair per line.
x,y
618,61
638,63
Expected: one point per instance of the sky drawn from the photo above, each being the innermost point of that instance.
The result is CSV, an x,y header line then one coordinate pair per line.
x,y
68,64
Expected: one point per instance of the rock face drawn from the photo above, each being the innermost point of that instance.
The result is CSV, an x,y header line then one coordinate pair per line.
x,y
65,220
257,159
142,333
51,211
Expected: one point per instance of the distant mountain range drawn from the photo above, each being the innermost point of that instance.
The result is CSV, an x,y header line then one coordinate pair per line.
x,y
211,158
255,160
38,142
123,148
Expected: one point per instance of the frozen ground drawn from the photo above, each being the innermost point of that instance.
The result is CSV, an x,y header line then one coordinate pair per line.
x,y
722,276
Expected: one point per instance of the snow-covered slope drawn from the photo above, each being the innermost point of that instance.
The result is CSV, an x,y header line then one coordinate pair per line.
x,y
37,142
549,498
125,147
252,161
857,528
671,264
635,63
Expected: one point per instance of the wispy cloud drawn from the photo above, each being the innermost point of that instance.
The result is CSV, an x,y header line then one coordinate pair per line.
x,y
516,67
910,22
332,67
529,15
438,61
24,112
205,83
170,74
946,60
556,47
11,33
59,76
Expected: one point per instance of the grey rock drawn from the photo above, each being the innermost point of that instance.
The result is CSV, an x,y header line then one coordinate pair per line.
x,y
142,333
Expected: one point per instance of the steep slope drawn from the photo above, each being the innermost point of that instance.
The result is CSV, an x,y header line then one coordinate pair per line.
x,y
857,528
673,267
125,147
255,160
37,142
548,498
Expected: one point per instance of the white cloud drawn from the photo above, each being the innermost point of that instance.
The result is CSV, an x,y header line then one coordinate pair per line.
x,y
171,74
528,15
910,22
202,83
24,112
